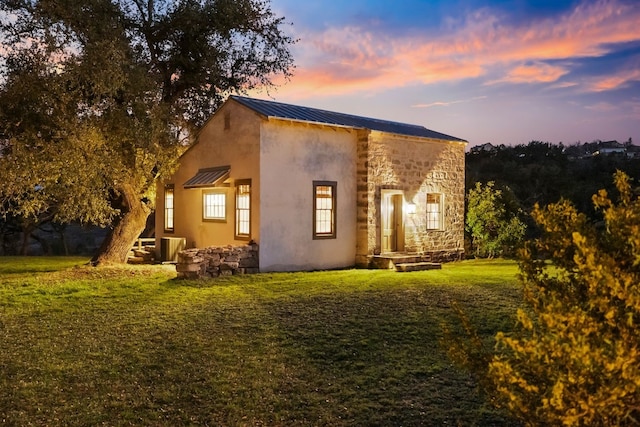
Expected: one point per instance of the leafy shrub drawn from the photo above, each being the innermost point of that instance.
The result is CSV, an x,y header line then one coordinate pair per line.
x,y
492,223
574,358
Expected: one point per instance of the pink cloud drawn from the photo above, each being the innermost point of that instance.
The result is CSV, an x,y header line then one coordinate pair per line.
x,y
602,107
447,103
615,81
485,44
537,73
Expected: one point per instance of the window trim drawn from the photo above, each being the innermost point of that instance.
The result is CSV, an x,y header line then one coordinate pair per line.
x,y
237,235
334,203
440,212
210,191
169,189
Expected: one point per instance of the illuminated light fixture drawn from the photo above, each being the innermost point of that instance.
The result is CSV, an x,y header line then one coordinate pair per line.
x,y
411,208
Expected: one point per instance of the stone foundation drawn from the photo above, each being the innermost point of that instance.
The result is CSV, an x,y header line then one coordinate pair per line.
x,y
215,261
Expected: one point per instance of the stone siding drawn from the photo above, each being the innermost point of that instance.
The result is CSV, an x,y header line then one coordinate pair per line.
x,y
415,166
215,261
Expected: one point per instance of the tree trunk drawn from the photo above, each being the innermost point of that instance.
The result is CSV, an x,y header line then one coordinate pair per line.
x,y
27,228
120,240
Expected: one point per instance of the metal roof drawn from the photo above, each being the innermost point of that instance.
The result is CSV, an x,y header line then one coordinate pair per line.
x,y
209,177
294,112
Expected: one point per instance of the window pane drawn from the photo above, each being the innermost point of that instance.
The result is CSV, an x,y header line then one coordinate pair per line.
x,y
434,211
214,205
324,210
243,210
168,208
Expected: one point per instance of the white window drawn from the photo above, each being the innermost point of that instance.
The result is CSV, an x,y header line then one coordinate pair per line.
x,y
168,208
324,210
243,209
214,205
434,211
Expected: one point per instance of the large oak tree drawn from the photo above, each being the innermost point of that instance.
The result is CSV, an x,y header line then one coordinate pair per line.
x,y
99,97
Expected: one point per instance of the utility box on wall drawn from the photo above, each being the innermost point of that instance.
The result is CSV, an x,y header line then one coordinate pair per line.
x,y
170,246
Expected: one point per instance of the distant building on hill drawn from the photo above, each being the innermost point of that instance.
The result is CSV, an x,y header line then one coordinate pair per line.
x,y
633,152
484,148
611,147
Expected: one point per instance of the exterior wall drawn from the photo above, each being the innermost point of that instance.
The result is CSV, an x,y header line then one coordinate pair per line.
x,y
238,147
283,158
416,166
293,155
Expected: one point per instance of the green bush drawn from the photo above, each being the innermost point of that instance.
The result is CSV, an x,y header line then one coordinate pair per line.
x,y
574,357
492,223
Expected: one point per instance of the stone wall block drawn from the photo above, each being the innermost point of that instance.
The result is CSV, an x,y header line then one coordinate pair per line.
x,y
229,266
218,261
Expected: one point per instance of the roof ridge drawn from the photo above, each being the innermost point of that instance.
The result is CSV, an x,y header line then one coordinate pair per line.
x,y
310,114
284,104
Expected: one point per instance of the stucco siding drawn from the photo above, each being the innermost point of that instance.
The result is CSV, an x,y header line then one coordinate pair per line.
x,y
236,146
293,155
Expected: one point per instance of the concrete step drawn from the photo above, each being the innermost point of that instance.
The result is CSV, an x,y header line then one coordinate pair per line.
x,y
417,266
389,261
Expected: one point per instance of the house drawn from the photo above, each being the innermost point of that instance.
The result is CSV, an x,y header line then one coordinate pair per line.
x,y
633,151
610,147
316,189
487,147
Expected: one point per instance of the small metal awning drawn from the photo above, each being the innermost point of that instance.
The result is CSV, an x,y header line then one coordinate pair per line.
x,y
209,177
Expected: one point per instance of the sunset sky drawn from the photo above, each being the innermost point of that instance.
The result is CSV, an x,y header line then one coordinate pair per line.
x,y
501,71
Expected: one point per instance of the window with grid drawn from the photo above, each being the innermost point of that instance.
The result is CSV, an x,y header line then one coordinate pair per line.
x,y
168,208
324,210
243,209
214,205
434,211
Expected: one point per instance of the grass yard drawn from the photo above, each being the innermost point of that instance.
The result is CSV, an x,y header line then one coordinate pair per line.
x,y
134,346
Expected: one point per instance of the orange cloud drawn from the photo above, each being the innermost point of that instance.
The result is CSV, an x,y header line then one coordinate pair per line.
x,y
344,60
616,81
537,73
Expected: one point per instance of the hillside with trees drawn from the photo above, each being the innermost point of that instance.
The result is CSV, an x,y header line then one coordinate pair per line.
x,y
543,173
537,173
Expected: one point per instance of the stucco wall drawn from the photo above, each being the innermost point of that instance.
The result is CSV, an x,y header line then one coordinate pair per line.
x,y
293,155
415,166
237,147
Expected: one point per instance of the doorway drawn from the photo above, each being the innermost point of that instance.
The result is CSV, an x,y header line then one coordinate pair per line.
x,y
392,236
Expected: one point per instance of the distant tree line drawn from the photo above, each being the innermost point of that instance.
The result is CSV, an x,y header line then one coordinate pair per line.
x,y
540,173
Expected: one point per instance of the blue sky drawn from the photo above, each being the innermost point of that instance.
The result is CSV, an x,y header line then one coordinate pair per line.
x,y
502,71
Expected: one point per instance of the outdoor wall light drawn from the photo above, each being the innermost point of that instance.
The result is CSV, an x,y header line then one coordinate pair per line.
x,y
411,208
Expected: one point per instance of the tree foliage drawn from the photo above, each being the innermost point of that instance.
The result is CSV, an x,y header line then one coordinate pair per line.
x,y
493,221
543,173
574,358
99,97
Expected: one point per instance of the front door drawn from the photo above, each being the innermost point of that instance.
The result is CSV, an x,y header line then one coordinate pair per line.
x,y
391,212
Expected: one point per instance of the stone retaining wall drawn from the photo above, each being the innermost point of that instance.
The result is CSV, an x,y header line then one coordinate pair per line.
x,y
217,261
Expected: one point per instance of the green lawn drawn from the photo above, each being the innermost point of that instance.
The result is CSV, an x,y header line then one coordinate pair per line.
x,y
134,346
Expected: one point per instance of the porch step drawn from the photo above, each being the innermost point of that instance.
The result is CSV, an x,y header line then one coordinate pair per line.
x,y
417,266
389,261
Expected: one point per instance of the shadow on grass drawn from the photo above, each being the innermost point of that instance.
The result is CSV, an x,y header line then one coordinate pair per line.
x,y
334,348
377,357
34,264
